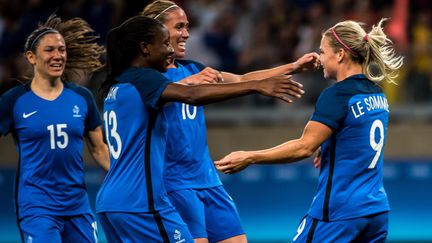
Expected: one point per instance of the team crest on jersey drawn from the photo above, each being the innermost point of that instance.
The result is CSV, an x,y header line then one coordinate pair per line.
x,y
76,111
178,236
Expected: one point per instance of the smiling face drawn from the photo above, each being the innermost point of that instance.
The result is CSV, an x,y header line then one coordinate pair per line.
x,y
160,51
49,58
329,59
178,25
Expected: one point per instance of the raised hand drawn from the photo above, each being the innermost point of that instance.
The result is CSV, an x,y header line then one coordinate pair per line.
x,y
280,87
234,162
309,61
206,76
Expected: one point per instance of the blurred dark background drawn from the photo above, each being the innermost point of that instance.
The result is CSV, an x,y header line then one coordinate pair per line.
x,y
246,35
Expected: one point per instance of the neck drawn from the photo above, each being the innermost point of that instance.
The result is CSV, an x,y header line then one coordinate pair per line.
x,y
48,89
348,69
172,64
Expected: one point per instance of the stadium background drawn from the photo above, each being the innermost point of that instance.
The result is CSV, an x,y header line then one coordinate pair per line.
x,y
240,36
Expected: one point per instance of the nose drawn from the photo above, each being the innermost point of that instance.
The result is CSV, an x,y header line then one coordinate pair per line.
x,y
185,33
58,54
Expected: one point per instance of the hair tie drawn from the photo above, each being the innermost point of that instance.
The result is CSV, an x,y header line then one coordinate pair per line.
x,y
366,38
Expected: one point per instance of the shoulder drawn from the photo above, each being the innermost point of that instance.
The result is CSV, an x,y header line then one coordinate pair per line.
x,y
81,90
10,96
141,75
191,64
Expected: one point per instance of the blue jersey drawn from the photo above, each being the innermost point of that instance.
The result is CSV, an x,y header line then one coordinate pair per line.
x,y
187,161
351,179
136,131
49,139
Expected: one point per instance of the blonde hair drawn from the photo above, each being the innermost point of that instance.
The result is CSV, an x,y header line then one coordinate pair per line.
x,y
373,50
159,9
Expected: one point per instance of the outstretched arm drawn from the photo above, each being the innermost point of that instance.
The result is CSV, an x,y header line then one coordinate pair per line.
x,y
307,62
207,76
98,149
314,135
279,87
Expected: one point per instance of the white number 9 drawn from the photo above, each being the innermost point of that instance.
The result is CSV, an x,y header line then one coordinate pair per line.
x,y
377,147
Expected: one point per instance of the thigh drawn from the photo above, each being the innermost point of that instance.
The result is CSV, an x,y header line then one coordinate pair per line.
x,y
162,226
222,218
80,228
191,209
41,229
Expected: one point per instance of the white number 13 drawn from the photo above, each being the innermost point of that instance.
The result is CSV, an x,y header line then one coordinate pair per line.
x,y
111,131
377,147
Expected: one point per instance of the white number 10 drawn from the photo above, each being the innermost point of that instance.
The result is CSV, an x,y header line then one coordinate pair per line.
x,y
377,147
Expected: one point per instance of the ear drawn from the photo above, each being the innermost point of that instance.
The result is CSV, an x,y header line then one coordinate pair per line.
x,y
144,48
340,55
31,57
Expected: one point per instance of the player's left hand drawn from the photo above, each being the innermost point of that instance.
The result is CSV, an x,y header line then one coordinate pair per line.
x,y
309,61
234,162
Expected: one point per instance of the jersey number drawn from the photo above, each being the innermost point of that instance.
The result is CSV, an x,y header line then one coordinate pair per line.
x,y
111,131
186,112
62,138
377,147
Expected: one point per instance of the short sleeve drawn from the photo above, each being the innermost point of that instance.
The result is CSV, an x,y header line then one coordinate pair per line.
x,y
331,108
7,103
93,120
150,84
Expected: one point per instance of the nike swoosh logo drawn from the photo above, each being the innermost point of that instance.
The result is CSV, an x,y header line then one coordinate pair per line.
x,y
29,114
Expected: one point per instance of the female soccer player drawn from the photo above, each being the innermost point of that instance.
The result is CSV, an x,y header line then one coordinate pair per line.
x,y
132,204
350,125
49,119
190,177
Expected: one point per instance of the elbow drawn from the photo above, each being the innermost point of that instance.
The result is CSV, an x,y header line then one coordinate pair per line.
x,y
306,152
193,97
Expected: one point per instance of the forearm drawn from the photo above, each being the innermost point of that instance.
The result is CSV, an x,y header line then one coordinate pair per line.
x,y
101,156
266,73
97,148
289,68
289,152
207,93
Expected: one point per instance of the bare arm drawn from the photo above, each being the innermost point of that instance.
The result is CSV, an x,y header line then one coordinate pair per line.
x,y
314,135
206,76
279,87
98,149
307,62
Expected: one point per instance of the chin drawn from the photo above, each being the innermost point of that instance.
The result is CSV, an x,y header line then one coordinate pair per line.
x,y
180,54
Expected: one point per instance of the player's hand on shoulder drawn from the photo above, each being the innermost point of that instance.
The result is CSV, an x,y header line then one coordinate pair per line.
x,y
282,87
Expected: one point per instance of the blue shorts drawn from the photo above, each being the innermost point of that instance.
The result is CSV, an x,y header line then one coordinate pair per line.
x,y
163,226
371,228
48,228
209,213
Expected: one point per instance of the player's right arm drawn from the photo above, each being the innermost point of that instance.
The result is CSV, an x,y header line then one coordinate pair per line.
x,y
314,134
